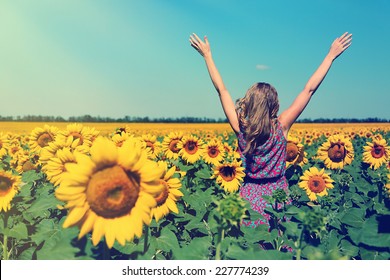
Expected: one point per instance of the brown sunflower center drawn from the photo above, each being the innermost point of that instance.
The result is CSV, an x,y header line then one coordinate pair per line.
x,y
14,150
162,197
191,147
44,139
213,152
336,152
112,192
150,145
173,146
377,151
292,151
228,173
28,165
5,185
316,184
77,135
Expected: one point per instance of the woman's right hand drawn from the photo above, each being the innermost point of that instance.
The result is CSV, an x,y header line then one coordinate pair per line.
x,y
202,47
340,45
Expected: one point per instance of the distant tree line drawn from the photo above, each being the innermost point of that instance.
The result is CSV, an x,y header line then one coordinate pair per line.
x,y
133,119
344,120
99,119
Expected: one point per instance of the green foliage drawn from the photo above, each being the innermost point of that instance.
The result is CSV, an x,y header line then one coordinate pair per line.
x,y
350,223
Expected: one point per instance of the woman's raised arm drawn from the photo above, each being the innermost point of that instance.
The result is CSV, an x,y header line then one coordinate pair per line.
x,y
288,117
226,100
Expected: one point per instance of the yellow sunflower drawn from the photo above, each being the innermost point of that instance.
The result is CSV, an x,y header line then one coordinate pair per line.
x,y
315,182
112,192
14,149
152,145
191,148
169,144
336,152
120,137
77,134
55,168
229,175
3,145
295,152
213,152
23,161
50,151
228,148
166,201
41,137
376,152
9,186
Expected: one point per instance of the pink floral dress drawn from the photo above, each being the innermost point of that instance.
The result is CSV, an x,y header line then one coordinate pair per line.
x,y
264,170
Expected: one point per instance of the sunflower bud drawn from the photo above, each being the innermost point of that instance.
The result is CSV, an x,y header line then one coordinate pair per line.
x,y
231,209
313,221
280,196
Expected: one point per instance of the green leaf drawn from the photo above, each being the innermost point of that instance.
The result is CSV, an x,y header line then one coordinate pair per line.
x,y
167,240
293,210
31,176
130,247
335,223
367,254
235,251
197,249
364,187
348,249
253,253
253,215
194,224
45,230
27,254
291,229
357,198
57,242
203,173
252,234
59,250
370,235
267,236
41,206
353,217
332,239
18,231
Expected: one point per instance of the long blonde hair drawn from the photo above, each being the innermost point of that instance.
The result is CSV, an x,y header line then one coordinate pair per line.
x,y
257,112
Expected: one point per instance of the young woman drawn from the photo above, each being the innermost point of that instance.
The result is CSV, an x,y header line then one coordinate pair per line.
x,y
260,131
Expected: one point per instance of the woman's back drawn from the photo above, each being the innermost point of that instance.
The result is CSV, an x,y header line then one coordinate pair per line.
x,y
269,159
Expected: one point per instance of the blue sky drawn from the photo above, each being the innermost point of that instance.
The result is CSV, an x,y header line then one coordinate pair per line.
x,y
118,58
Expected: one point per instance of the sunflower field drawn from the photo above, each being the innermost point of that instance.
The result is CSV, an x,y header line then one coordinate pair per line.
x,y
158,192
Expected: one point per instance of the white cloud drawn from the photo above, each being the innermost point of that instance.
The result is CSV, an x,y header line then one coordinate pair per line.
x,y
262,67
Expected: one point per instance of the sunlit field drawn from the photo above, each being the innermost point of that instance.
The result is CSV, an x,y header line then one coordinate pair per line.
x,y
171,191
105,128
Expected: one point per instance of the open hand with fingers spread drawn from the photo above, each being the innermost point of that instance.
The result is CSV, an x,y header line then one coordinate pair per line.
x,y
202,47
340,45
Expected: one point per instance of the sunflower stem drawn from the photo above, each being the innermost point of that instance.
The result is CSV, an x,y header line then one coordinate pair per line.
x,y
106,252
299,250
5,239
5,247
221,235
380,192
146,238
